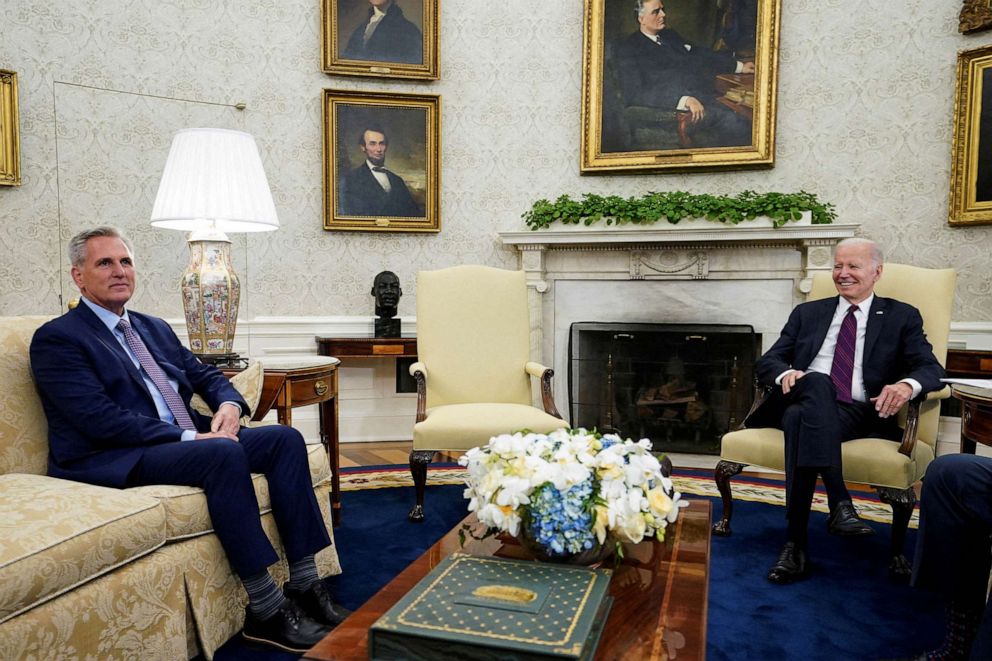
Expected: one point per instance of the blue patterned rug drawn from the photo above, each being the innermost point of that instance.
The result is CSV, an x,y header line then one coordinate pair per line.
x,y
847,609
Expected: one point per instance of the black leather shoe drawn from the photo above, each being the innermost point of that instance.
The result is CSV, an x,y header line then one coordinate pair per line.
x,y
318,605
791,565
289,629
844,520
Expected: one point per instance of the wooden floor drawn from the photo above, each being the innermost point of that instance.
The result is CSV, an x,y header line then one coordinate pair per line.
x,y
383,454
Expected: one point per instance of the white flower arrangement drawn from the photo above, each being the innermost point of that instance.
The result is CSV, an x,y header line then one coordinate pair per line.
x,y
570,489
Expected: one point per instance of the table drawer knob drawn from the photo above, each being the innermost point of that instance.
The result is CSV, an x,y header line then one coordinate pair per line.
x,y
319,387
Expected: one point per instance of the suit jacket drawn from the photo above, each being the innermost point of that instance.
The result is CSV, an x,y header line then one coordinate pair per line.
x,y
395,40
100,412
895,348
361,195
658,76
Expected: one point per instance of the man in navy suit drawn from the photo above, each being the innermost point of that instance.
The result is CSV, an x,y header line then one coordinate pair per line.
x,y
371,189
386,36
841,369
116,386
658,68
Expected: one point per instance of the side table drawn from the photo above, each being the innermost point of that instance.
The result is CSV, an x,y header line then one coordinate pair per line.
x,y
976,416
301,381
367,347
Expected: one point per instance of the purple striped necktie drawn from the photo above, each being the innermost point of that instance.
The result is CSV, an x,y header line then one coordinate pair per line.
x,y
842,369
158,377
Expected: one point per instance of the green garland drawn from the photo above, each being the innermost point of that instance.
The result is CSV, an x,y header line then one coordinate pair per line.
x,y
675,206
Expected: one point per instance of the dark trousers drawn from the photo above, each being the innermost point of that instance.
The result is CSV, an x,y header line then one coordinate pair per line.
x,y
815,424
721,127
954,543
223,468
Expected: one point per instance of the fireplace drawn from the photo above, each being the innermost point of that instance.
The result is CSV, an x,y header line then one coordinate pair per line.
x,y
681,385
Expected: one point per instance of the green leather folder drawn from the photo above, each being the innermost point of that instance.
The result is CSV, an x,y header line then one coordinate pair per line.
x,y
472,607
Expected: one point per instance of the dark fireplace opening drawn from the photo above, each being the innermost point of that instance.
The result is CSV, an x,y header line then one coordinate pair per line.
x,y
681,385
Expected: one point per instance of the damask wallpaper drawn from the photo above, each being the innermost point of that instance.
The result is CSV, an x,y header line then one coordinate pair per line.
x,y
865,119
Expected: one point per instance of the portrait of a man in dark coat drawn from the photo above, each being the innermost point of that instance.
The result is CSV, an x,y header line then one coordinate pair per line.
x,y
371,189
385,35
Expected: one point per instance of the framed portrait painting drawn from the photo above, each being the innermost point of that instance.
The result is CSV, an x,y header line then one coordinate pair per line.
x,y
971,151
381,161
10,147
380,38
679,85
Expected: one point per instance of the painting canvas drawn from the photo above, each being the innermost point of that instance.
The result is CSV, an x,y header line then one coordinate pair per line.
x,y
679,84
971,161
380,38
381,161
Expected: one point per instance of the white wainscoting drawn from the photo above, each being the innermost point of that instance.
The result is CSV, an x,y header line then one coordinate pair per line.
x,y
370,409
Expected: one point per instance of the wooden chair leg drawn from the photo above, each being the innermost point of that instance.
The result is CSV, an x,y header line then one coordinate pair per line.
x,y
419,459
724,471
902,502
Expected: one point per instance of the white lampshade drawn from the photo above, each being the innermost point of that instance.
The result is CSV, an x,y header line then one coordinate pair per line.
x,y
213,179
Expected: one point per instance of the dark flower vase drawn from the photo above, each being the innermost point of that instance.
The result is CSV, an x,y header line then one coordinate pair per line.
x,y
590,557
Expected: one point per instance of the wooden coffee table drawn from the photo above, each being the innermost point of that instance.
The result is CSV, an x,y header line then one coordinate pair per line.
x,y
659,590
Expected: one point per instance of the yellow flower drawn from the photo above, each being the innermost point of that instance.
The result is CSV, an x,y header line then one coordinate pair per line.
x,y
659,501
601,514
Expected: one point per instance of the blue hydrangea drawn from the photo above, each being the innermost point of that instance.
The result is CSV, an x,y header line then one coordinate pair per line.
x,y
562,522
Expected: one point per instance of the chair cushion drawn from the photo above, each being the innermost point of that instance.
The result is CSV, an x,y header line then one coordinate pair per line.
x,y
868,460
186,512
465,426
58,534
23,428
248,382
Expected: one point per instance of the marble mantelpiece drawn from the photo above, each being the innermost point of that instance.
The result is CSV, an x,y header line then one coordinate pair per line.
x,y
693,272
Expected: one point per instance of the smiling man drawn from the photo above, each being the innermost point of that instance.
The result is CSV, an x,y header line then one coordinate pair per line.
x,y
116,386
841,369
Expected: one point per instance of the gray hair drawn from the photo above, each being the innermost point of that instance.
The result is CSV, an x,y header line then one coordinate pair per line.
x,y
639,7
77,244
876,252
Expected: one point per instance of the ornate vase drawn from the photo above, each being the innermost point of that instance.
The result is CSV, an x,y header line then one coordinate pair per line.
x,y
590,557
211,293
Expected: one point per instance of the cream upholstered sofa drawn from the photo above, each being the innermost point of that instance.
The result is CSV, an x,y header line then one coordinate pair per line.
x,y
92,572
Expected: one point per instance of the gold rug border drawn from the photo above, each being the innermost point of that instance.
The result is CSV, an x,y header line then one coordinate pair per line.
x,y
687,485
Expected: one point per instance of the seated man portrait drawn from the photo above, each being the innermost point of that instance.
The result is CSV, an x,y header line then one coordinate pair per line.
x,y
116,387
658,68
842,369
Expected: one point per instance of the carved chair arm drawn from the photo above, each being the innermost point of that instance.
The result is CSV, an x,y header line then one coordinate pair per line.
x,y
419,372
544,374
761,393
912,425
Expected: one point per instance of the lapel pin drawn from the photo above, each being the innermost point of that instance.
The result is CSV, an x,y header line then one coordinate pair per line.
x,y
879,312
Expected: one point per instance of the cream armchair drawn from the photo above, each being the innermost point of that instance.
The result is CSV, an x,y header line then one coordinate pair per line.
x,y
891,468
474,374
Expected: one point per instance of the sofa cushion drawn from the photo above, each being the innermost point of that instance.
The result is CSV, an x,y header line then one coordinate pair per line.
x,y
248,382
186,507
23,428
57,534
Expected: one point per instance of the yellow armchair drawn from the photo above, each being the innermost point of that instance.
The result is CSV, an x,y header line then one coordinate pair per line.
x,y
474,370
890,467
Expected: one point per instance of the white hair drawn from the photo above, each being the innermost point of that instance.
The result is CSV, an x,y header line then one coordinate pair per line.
x,y
876,252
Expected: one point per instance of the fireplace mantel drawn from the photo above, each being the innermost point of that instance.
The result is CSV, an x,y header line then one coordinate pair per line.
x,y
695,271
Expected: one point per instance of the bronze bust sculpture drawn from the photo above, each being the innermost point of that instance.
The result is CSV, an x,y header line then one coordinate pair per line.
x,y
387,292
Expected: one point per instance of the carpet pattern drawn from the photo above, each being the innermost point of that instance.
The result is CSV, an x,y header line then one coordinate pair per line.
x,y
689,482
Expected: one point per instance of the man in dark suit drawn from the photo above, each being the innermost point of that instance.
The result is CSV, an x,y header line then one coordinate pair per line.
x,y
371,189
841,369
660,69
116,384
952,552
386,36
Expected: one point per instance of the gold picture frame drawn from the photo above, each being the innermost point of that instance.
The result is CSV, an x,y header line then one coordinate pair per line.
x,y
402,44
975,16
382,159
634,119
10,145
971,150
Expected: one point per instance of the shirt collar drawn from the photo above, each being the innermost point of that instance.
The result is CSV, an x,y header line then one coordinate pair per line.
x,y
864,306
106,317
372,167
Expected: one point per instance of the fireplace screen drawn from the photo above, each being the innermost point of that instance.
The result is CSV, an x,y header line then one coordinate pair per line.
x,y
681,385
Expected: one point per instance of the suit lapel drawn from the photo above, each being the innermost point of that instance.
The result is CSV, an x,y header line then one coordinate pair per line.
x,y
824,315
171,370
876,319
107,339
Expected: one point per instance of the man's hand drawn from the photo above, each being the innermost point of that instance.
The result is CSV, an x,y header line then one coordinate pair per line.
x,y
789,380
747,67
695,108
202,436
892,398
227,419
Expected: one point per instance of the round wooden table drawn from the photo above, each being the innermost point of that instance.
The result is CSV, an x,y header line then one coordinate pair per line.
x,y
976,416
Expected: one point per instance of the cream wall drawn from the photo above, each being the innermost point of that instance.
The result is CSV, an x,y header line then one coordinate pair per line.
x,y
865,119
